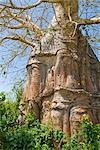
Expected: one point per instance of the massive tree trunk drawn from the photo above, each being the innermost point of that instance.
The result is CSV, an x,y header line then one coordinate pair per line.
x,y
62,83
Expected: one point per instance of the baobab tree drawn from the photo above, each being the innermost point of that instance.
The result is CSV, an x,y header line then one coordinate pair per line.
x,y
62,85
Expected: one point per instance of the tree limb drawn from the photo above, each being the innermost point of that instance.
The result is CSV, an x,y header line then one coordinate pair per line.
x,y
14,56
18,38
12,27
27,23
24,23
89,21
2,9
13,6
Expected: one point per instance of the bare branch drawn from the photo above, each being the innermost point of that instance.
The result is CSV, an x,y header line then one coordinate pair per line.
x,y
24,23
18,38
2,9
11,3
4,16
14,56
27,23
89,21
13,6
12,27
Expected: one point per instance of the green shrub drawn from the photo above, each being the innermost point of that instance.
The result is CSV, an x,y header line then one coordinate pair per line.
x,y
2,97
35,136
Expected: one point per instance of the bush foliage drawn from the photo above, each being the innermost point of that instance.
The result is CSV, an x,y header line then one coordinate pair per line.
x,y
35,136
